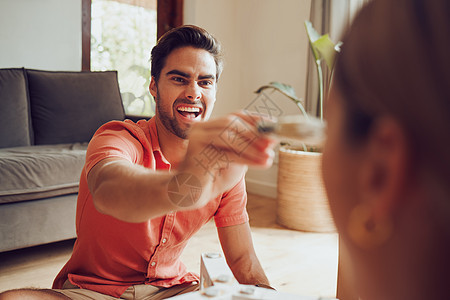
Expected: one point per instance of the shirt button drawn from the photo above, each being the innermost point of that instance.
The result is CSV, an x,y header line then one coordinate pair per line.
x,y
153,264
164,240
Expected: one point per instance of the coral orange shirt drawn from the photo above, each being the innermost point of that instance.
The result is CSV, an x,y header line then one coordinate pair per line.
x,y
110,255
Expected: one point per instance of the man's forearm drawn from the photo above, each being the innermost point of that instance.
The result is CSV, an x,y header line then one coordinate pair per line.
x,y
238,248
129,192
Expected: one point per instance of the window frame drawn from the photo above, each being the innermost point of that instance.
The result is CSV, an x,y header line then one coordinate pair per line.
x,y
169,15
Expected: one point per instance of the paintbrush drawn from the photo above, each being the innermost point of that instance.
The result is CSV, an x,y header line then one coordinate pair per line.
x,y
296,128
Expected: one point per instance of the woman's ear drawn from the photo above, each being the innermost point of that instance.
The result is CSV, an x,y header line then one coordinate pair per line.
x,y
382,184
383,178
153,88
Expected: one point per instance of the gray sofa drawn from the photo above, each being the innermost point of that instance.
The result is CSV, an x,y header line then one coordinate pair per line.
x,y
46,120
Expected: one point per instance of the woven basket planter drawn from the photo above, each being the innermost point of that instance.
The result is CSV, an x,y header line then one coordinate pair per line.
x,y
302,202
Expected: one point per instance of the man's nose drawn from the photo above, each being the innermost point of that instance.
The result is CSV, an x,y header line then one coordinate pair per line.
x,y
193,91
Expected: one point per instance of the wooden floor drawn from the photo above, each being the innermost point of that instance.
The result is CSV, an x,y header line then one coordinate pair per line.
x,y
295,262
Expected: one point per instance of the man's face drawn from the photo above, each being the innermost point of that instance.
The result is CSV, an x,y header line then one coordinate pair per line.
x,y
186,90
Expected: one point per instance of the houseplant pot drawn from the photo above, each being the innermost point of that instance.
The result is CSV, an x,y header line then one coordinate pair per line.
x,y
302,202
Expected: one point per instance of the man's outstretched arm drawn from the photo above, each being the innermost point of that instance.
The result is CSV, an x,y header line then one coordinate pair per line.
x,y
133,193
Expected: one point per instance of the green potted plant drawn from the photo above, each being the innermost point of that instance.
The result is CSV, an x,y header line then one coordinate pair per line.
x,y
302,202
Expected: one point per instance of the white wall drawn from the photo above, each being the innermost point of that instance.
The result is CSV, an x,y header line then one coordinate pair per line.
x,y
44,34
264,41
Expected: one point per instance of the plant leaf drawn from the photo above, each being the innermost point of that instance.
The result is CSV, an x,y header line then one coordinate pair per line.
x,y
312,36
285,89
327,50
322,46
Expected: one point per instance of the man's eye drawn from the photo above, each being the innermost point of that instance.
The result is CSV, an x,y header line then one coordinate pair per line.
x,y
205,83
178,79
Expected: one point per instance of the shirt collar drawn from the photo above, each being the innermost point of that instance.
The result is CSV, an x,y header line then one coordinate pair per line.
x,y
156,148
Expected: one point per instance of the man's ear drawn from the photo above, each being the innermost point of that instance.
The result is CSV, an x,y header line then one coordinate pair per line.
x,y
153,88
385,169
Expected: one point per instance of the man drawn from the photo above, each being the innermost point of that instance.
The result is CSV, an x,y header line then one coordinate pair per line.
x,y
147,187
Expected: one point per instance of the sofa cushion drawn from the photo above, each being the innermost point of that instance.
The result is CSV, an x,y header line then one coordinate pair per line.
x,y
36,172
15,124
68,107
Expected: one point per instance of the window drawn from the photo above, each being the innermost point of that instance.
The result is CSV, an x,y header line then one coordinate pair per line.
x,y
119,35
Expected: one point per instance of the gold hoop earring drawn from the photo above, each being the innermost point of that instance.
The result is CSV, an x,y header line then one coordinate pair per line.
x,y
364,231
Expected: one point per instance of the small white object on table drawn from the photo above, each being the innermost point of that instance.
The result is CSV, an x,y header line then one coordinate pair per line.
x,y
218,283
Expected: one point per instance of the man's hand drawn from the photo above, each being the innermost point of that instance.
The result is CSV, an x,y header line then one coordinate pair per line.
x,y
218,155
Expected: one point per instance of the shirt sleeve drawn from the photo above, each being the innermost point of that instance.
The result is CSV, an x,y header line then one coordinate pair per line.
x,y
233,207
113,140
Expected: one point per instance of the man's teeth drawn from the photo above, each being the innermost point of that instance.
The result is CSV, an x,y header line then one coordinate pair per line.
x,y
189,109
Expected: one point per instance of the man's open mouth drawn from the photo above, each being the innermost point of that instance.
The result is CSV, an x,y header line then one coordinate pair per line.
x,y
190,112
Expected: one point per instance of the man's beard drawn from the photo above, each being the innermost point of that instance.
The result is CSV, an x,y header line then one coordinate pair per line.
x,y
171,123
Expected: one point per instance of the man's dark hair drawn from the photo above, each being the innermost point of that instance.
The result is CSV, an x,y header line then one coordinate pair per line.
x,y
184,36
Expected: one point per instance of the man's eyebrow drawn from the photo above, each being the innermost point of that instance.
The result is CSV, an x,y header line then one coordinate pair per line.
x,y
186,75
209,76
178,72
